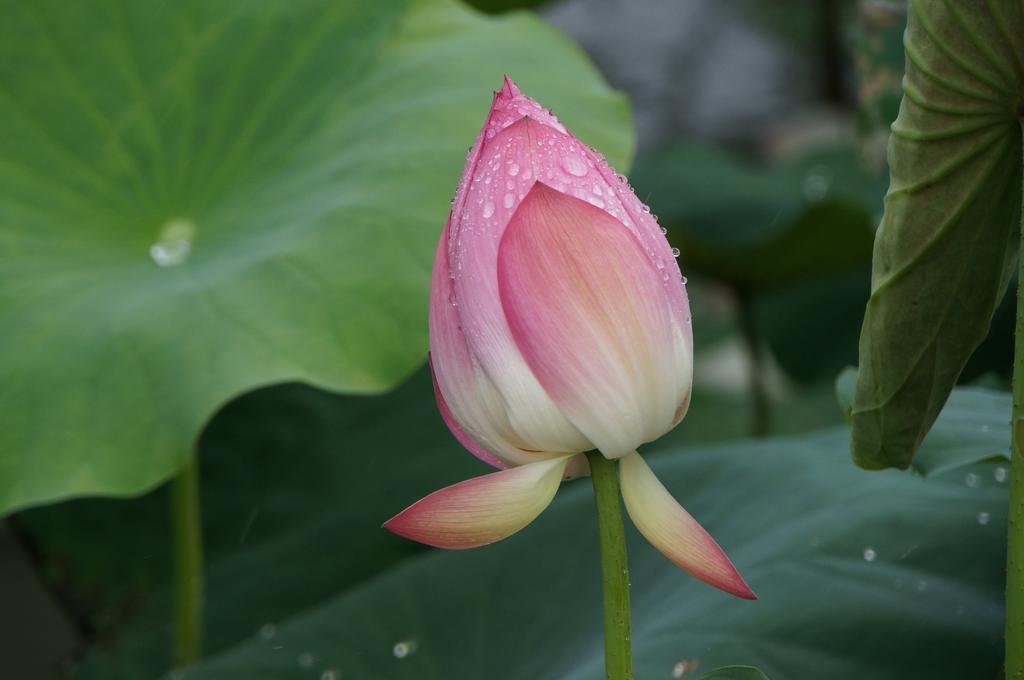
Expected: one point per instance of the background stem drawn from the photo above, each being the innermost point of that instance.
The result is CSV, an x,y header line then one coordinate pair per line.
x,y
1015,538
760,421
188,567
614,568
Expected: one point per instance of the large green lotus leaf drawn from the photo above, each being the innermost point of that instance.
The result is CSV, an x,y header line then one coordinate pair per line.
x,y
296,483
292,477
846,591
760,228
202,197
293,503
949,237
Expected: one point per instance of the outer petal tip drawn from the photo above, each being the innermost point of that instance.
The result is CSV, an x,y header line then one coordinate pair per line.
x,y
674,532
481,510
508,87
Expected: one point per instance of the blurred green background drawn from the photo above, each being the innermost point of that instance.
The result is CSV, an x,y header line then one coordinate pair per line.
x,y
217,221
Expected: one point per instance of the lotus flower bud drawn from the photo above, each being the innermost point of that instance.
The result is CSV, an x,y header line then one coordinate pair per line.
x,y
559,324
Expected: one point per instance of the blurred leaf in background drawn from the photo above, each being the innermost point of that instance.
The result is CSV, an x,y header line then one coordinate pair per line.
x,y
303,582
761,228
792,240
296,485
199,198
879,58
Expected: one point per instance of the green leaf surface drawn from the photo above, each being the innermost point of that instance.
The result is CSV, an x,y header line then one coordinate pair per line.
x,y
295,485
293,500
288,164
948,240
761,228
845,591
291,477
735,673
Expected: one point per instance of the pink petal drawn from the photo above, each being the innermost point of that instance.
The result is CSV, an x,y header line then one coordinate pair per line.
x,y
498,172
481,510
628,209
589,313
468,401
463,437
673,531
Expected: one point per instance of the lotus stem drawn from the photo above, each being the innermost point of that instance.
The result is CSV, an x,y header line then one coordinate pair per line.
x,y
1015,538
188,567
614,568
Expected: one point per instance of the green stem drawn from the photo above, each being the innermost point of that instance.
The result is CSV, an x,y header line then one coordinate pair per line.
x,y
1015,538
614,568
188,564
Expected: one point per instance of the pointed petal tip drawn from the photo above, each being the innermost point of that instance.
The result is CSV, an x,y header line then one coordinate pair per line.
x,y
674,532
739,588
508,87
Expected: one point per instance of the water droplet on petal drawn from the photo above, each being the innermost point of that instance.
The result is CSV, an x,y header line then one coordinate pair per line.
x,y
983,518
646,209
488,208
596,201
574,165
508,200
1000,474
513,169
675,252
664,230
404,648
870,554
